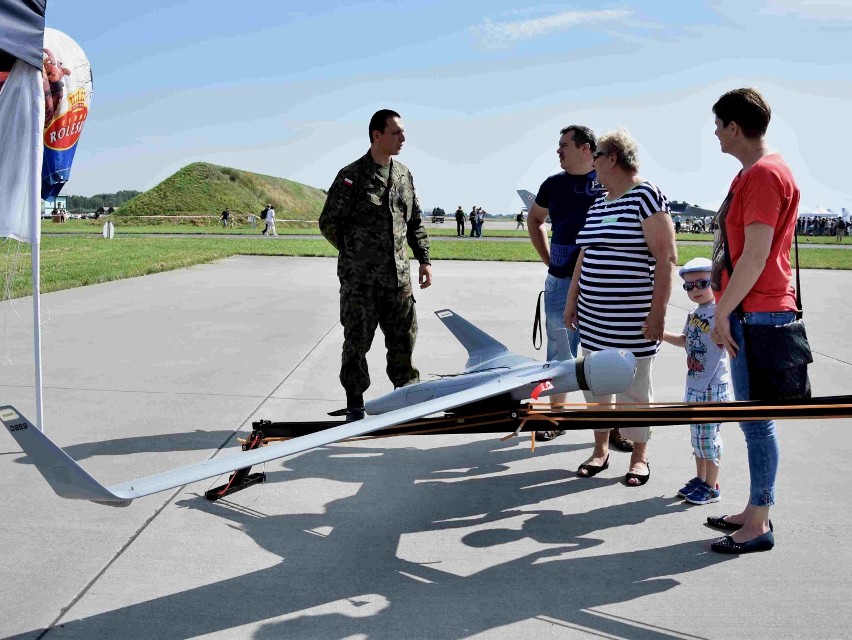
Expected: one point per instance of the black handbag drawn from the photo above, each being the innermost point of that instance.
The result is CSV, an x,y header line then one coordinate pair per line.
x,y
778,359
777,356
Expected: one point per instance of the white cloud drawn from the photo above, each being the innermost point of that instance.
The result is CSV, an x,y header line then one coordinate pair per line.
x,y
816,9
744,11
497,35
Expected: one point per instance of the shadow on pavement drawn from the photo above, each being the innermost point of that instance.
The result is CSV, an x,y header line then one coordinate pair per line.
x,y
164,443
354,581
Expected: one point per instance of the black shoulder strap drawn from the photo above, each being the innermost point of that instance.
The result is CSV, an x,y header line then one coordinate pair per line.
x,y
537,332
798,281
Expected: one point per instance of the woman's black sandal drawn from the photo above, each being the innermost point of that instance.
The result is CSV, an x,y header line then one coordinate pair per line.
x,y
721,523
592,469
726,544
635,476
725,525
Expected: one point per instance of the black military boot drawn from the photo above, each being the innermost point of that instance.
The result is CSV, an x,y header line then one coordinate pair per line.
x,y
354,413
354,406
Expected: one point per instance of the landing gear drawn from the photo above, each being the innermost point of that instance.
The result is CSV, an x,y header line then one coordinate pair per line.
x,y
242,478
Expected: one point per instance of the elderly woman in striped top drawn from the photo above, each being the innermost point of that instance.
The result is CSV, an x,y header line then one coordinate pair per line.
x,y
621,285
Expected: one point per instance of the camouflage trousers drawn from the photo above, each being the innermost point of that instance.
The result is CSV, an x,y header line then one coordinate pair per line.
x,y
362,309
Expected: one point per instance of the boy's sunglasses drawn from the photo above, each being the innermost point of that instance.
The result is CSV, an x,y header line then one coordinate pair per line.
x,y
698,284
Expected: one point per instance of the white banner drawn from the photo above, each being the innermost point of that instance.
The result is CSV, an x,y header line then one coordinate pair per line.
x,y
21,124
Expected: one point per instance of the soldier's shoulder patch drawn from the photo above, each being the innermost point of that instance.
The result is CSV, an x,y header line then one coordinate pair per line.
x,y
347,182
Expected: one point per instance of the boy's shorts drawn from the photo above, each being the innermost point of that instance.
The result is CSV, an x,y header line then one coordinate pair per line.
x,y
706,437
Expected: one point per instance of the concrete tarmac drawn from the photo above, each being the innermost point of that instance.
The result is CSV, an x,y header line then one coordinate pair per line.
x,y
413,537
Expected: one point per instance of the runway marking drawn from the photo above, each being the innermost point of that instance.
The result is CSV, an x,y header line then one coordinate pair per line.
x,y
579,627
642,625
378,454
476,516
413,577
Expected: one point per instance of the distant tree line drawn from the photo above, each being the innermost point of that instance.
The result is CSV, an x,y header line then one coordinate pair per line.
x,y
104,200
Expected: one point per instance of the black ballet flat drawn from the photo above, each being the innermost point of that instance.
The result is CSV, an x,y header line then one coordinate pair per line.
x,y
726,544
724,525
635,476
592,469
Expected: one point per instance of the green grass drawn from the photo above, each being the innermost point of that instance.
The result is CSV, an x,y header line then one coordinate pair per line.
x,y
803,240
212,226
806,240
145,225
69,262
79,261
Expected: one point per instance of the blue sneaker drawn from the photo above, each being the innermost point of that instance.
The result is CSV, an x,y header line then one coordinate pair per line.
x,y
689,486
703,494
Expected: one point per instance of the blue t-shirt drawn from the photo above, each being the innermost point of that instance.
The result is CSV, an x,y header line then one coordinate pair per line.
x,y
567,198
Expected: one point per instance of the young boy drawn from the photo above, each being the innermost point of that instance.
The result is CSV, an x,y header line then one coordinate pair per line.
x,y
707,379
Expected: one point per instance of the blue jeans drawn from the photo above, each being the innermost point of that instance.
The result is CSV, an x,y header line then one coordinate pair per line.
x,y
761,439
555,297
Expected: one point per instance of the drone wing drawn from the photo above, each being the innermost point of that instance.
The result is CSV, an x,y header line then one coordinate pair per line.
x,y
69,480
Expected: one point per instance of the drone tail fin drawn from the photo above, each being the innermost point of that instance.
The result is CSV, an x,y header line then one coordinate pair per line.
x,y
480,346
67,478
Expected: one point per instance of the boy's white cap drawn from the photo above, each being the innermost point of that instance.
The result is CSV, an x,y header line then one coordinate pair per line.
x,y
696,264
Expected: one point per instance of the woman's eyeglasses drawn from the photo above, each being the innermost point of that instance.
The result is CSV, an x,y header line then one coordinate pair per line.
x,y
698,284
598,154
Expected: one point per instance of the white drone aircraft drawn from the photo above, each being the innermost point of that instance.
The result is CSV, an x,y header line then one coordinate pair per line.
x,y
491,372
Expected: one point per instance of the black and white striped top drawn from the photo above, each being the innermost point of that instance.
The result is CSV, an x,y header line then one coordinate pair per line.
x,y
617,276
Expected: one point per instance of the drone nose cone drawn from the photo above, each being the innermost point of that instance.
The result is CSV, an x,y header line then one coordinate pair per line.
x,y
609,371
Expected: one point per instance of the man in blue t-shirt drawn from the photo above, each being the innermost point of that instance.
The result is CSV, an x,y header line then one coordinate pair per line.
x,y
566,198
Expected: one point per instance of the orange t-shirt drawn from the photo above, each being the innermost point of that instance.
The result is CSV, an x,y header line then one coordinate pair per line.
x,y
766,193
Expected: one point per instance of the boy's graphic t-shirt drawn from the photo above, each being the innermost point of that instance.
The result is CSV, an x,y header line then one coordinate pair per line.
x,y
706,361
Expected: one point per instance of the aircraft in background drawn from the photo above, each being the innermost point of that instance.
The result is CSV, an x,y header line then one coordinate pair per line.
x,y
527,197
491,373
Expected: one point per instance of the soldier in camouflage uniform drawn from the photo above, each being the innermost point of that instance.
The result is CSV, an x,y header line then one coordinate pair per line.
x,y
370,215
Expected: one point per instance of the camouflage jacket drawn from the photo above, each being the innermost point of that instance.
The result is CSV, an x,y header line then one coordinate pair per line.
x,y
370,233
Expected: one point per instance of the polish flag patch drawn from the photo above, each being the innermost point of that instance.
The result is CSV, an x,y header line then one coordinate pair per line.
x,y
347,182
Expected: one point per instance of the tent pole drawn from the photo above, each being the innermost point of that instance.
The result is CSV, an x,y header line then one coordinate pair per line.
x,y
36,259
36,274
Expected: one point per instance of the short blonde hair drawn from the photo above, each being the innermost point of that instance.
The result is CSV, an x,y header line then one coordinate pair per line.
x,y
622,144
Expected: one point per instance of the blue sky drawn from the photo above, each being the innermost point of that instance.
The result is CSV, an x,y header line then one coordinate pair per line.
x,y
287,88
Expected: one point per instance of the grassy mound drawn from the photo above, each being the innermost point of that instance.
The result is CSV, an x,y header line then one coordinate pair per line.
x,y
202,189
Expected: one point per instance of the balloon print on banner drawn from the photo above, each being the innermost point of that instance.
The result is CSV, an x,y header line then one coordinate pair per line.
x,y
67,79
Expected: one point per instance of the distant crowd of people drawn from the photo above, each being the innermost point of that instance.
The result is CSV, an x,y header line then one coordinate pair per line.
x,y
476,217
823,226
691,225
267,216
